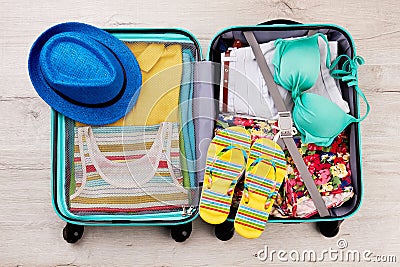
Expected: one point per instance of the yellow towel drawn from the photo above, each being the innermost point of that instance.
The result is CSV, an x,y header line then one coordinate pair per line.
x,y
161,79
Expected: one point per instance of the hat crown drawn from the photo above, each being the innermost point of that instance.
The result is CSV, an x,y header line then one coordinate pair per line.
x,y
95,93
81,68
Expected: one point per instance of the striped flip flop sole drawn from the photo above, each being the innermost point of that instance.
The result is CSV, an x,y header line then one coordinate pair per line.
x,y
223,168
265,171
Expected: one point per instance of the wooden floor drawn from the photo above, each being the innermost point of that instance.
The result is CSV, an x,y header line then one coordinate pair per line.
x,y
30,231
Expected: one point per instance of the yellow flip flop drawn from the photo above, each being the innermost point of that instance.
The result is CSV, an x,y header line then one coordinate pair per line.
x,y
265,171
226,161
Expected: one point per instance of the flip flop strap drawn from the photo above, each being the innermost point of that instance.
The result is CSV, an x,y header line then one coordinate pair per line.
x,y
273,194
223,151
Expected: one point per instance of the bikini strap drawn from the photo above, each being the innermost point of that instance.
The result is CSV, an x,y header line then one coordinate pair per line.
x,y
348,74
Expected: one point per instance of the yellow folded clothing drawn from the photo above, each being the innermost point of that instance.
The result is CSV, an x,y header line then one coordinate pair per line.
x,y
161,67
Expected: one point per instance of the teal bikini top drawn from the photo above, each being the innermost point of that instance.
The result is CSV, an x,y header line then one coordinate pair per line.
x,y
297,66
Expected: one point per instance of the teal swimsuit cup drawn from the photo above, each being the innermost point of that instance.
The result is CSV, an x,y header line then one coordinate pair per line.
x,y
297,66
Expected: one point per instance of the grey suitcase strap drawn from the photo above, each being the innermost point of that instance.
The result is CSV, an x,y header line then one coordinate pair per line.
x,y
285,124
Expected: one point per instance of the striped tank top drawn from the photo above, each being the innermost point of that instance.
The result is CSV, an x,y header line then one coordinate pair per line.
x,y
130,169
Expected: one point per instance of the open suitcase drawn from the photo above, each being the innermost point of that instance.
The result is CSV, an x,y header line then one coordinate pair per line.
x,y
85,196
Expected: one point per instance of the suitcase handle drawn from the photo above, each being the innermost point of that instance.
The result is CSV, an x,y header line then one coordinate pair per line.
x,y
279,21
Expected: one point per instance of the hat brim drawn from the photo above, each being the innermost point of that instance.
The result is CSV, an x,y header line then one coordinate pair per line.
x,y
85,114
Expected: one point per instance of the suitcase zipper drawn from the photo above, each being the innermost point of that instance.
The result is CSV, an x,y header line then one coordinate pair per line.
x,y
187,211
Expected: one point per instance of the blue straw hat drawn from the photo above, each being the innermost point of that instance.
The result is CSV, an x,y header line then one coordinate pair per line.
x,y
84,73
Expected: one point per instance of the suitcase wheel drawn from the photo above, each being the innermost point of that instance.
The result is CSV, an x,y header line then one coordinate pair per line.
x,y
73,232
329,228
225,230
181,232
